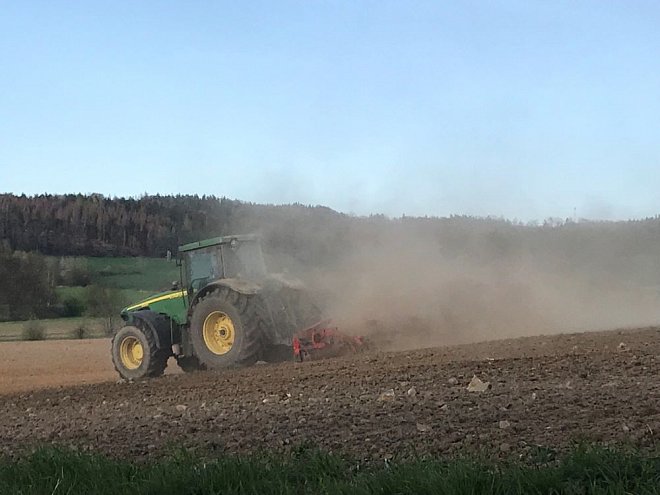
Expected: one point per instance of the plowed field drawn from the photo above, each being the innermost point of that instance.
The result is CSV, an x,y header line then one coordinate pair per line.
x,y
545,392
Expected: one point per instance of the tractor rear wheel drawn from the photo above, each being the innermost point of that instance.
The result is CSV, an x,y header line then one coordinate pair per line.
x,y
136,355
225,330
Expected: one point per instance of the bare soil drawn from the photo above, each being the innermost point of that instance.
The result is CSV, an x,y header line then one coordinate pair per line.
x,y
546,393
26,366
32,365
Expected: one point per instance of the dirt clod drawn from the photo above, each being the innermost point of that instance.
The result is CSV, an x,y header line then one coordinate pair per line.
x,y
476,385
387,395
423,428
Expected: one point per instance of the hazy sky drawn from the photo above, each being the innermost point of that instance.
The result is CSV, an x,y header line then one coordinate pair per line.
x,y
523,108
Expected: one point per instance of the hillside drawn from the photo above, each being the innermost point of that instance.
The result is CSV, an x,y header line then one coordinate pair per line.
x,y
311,236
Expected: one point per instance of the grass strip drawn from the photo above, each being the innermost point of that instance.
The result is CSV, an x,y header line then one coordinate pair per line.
x,y
585,470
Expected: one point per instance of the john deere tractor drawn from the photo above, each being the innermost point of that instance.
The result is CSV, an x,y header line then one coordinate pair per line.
x,y
227,310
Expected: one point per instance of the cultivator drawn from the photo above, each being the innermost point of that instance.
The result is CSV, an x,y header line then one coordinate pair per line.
x,y
323,340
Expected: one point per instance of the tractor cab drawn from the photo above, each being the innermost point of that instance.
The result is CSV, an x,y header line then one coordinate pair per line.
x,y
229,257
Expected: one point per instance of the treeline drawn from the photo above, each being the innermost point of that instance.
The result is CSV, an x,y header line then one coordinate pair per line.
x,y
314,236
93,225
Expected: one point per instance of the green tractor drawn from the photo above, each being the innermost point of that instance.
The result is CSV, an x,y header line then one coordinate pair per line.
x,y
226,311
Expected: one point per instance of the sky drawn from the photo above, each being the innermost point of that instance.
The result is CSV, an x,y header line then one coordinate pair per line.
x,y
521,109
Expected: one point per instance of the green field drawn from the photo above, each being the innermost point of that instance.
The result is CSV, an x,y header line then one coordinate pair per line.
x,y
57,328
584,471
129,279
127,296
150,274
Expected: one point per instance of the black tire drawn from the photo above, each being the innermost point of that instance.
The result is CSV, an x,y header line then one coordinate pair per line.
x,y
190,364
153,362
241,309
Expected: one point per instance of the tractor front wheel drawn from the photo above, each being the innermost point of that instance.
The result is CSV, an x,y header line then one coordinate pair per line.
x,y
136,355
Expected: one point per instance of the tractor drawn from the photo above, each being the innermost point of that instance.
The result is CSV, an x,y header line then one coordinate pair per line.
x,y
225,311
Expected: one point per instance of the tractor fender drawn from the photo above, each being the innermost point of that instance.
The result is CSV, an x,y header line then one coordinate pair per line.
x,y
286,280
238,285
159,325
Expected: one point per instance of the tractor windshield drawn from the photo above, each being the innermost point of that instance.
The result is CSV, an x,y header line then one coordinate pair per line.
x,y
243,260
239,260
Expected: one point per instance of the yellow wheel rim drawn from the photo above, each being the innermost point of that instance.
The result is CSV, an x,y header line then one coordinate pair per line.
x,y
131,352
218,332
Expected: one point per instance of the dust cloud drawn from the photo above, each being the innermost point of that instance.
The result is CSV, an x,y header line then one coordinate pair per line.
x,y
405,291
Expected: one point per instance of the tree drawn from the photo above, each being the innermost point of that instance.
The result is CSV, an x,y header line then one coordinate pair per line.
x,y
105,303
27,288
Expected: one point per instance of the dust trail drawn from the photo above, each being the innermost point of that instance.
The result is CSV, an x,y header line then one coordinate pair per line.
x,y
422,283
405,293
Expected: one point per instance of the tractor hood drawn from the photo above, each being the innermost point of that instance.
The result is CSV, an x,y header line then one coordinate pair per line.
x,y
171,302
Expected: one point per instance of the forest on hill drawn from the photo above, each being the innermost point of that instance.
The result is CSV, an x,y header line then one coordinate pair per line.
x,y
94,225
